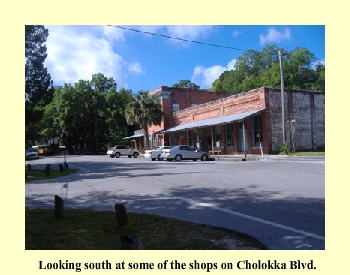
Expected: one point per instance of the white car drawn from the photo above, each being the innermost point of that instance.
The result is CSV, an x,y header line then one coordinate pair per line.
x,y
32,153
184,152
122,150
154,153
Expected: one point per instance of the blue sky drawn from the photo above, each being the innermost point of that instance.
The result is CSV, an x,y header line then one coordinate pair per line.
x,y
141,61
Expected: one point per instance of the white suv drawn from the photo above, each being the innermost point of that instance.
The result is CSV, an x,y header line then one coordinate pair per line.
x,y
121,150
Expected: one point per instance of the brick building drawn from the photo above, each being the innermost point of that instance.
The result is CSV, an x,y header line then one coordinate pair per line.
x,y
245,123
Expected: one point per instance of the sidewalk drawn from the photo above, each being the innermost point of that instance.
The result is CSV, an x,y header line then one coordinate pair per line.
x,y
242,157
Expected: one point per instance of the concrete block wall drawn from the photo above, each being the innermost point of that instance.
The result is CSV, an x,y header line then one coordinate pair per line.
x,y
307,108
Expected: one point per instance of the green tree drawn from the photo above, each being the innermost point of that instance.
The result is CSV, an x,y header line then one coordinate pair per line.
x,y
144,110
186,84
319,84
256,69
114,114
90,114
38,83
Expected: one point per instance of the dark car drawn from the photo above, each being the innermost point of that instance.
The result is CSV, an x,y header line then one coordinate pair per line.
x,y
84,151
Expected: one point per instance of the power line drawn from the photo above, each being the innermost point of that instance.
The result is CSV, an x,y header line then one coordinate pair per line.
x,y
176,38
185,40
169,37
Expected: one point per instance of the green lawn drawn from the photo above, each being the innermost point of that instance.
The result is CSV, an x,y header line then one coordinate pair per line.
x,y
41,174
94,230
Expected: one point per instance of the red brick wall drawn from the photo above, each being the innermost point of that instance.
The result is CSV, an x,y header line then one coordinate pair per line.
x,y
185,98
253,100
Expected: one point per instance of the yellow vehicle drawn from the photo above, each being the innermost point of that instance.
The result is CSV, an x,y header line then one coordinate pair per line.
x,y
48,149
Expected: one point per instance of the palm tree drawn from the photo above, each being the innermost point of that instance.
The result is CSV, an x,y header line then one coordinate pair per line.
x,y
144,110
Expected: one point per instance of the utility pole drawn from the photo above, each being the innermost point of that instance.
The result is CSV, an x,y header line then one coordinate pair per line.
x,y
282,97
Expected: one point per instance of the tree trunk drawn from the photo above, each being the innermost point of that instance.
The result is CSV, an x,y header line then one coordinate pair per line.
x,y
146,136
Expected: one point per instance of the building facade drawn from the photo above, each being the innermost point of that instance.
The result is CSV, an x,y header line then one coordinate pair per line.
x,y
249,122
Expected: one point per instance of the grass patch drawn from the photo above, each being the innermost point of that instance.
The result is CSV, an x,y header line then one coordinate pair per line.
x,y
309,153
41,174
320,152
94,230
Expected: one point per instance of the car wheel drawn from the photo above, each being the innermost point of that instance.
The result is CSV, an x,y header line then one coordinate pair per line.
x,y
169,159
117,155
135,155
178,158
112,156
204,158
194,159
129,156
153,159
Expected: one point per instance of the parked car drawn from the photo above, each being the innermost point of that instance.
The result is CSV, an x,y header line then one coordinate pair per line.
x,y
85,151
32,153
121,150
154,153
180,152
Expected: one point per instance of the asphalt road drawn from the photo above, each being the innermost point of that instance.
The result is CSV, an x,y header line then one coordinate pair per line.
x,y
279,201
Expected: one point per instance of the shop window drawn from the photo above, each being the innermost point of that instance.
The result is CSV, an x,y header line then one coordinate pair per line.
x,y
229,135
257,130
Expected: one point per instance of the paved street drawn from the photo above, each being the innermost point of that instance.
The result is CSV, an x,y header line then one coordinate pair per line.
x,y
280,201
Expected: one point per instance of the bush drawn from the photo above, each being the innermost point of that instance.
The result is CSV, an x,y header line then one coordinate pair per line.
x,y
284,148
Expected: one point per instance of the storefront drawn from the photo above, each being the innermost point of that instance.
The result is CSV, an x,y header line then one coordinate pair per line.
x,y
250,123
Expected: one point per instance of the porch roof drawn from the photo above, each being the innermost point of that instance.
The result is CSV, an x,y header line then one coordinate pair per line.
x,y
134,136
212,121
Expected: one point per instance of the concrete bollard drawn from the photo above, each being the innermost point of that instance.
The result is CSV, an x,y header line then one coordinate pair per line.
x,y
122,217
131,243
59,207
47,170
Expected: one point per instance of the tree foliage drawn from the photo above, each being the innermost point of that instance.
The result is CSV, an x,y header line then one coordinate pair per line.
x,y
187,84
256,69
89,114
144,110
38,83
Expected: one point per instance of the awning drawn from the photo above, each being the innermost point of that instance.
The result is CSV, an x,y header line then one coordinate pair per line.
x,y
212,121
134,136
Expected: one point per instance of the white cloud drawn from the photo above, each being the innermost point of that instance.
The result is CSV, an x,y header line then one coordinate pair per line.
x,y
274,36
188,32
78,52
314,64
236,33
204,77
135,67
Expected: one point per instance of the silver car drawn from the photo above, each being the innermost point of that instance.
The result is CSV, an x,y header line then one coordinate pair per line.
x,y
180,152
